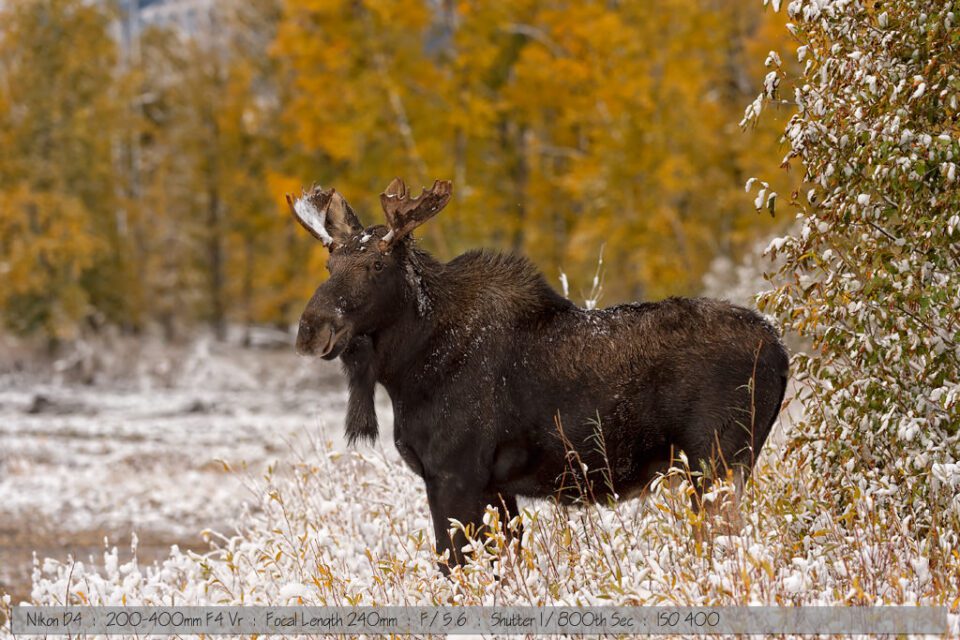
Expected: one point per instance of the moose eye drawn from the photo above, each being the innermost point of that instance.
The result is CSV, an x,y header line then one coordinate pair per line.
x,y
378,266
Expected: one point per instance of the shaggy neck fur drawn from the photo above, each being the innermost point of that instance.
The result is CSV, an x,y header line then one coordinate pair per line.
x,y
474,291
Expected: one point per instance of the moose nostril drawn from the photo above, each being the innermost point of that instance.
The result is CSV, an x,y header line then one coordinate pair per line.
x,y
309,327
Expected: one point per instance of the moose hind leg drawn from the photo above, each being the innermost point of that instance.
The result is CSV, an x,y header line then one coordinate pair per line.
x,y
723,510
731,466
509,503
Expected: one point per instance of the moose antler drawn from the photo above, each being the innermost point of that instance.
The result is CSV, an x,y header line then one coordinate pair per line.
x,y
405,213
326,215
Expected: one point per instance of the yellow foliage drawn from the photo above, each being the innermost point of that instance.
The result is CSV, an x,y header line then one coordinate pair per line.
x,y
566,126
45,246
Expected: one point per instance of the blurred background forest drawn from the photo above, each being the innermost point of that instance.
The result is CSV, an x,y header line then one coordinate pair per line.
x,y
145,146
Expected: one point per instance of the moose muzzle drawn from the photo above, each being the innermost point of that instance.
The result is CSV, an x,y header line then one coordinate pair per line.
x,y
322,339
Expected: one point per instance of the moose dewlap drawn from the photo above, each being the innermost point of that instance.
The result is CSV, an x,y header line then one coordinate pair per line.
x,y
495,377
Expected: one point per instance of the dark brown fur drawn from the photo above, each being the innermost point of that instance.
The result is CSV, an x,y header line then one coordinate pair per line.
x,y
482,359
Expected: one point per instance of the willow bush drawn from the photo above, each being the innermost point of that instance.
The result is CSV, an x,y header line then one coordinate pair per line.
x,y
871,276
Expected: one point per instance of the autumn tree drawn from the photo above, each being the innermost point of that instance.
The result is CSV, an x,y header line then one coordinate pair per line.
x,y
565,126
64,247
209,129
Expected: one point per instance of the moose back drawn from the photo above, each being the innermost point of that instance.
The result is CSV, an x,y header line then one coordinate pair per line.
x,y
496,379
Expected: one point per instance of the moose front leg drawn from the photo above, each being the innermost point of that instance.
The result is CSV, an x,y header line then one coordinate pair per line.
x,y
450,496
453,496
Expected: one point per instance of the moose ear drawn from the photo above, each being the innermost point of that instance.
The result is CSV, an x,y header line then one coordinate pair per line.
x,y
405,213
326,215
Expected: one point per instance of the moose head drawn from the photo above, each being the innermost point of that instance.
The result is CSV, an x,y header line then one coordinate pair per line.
x,y
367,269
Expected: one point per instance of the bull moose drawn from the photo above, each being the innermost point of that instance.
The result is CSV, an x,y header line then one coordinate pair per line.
x,y
495,378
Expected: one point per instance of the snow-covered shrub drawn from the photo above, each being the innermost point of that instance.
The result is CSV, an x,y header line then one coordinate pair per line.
x,y
872,276
337,528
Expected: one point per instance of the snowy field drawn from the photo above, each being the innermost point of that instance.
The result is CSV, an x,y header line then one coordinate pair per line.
x,y
228,465
141,440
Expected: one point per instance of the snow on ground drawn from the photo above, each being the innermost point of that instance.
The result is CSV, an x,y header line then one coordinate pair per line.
x,y
162,441
138,449
146,447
